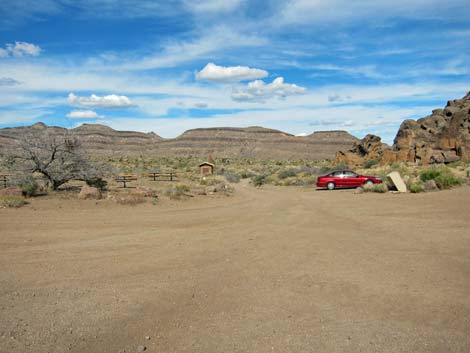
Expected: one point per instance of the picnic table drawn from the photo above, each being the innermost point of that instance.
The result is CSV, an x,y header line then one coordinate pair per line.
x,y
124,179
162,176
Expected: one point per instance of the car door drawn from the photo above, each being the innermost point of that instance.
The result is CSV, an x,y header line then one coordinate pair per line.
x,y
338,179
350,179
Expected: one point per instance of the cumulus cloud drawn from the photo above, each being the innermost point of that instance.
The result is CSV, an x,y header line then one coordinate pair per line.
x,y
258,91
20,49
106,102
83,114
8,81
213,72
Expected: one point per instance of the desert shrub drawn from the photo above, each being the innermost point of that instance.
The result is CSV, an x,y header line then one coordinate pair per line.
x,y
371,163
246,174
379,188
430,174
287,173
292,182
340,166
231,176
211,180
98,183
442,176
416,187
307,170
27,183
12,201
309,181
446,181
259,180
455,164
177,191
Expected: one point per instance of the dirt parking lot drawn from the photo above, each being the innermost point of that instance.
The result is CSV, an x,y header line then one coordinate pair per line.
x,y
269,270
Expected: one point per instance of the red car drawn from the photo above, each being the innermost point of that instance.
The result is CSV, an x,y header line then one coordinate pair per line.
x,y
345,179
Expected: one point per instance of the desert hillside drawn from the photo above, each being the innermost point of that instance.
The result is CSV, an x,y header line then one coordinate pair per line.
x,y
254,142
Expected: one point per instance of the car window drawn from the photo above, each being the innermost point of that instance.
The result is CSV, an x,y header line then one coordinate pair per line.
x,y
350,174
337,174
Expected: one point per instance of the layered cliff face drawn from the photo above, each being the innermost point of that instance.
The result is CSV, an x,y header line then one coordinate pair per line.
x,y
100,138
252,142
95,138
256,142
442,137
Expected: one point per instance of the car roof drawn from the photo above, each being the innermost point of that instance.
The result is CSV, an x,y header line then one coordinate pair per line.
x,y
341,170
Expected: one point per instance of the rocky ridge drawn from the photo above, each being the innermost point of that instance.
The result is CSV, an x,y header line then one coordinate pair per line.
x,y
442,137
252,142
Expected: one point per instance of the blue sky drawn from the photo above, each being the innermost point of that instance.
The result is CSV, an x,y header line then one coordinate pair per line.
x,y
169,66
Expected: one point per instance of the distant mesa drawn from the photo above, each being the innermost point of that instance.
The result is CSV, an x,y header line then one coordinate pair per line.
x,y
250,142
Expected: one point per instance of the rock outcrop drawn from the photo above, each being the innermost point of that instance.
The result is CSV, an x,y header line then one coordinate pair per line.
x,y
370,148
442,137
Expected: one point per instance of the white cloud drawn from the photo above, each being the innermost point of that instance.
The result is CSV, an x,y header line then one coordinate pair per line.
x,y
213,72
218,39
106,102
20,49
258,91
83,114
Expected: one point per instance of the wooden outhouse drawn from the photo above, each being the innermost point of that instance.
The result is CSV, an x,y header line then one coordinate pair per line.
x,y
206,168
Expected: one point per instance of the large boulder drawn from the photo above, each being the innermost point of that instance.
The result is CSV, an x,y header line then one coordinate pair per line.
x,y
368,149
89,193
430,185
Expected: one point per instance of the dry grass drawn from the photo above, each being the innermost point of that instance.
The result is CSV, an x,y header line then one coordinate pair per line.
x,y
12,201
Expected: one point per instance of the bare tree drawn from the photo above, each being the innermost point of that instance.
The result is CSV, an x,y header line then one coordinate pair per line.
x,y
58,157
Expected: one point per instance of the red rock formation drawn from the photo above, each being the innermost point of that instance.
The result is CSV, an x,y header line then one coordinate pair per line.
x,y
442,137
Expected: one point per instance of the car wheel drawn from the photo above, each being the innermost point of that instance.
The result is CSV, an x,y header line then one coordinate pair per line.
x,y
330,186
369,182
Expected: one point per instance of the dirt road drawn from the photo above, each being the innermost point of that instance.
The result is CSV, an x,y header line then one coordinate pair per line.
x,y
270,270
